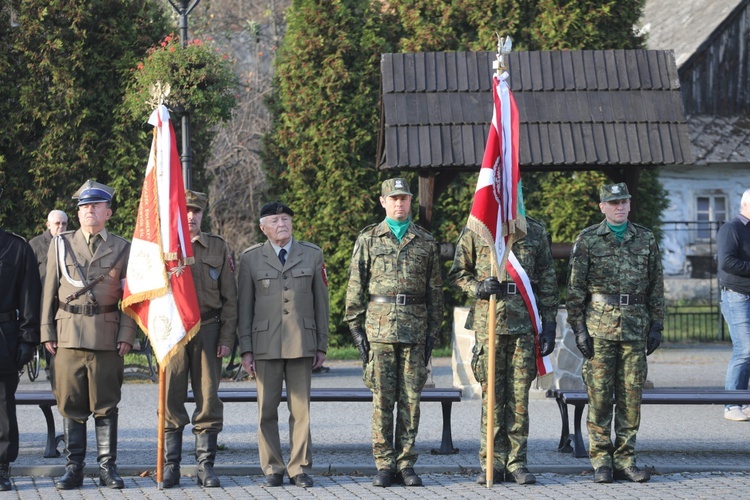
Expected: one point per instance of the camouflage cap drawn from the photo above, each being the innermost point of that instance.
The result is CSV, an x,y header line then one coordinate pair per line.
x,y
93,192
195,199
612,192
392,187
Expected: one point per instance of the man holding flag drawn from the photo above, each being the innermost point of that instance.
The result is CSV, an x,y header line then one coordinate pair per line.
x,y
514,319
515,364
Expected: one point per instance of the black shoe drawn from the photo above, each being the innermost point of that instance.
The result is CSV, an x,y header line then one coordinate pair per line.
x,y
73,478
5,477
498,476
109,477
301,480
207,477
633,474
408,477
384,478
603,475
171,476
321,369
274,479
523,476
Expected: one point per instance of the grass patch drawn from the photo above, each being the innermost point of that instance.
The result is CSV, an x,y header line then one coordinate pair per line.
x,y
350,353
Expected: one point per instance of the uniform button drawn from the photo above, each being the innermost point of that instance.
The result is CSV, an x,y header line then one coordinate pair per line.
x,y
286,288
286,312
286,300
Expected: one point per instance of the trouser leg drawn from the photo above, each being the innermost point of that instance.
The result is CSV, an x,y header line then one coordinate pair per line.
x,y
412,375
298,377
269,376
8,420
521,371
631,374
599,377
381,378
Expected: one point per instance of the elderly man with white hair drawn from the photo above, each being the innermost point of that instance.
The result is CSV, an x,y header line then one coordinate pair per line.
x,y
57,222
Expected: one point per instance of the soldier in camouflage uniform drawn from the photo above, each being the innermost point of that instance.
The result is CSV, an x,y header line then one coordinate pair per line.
x,y
515,363
616,308
394,306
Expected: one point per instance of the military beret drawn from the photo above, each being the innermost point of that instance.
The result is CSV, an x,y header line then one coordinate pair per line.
x,y
392,187
195,199
93,192
275,208
612,192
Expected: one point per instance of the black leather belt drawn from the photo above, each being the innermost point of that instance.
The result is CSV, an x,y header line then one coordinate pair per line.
x,y
89,309
9,316
621,299
401,299
212,314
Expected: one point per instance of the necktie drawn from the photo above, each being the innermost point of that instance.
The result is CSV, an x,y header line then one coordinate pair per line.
x,y
282,256
93,243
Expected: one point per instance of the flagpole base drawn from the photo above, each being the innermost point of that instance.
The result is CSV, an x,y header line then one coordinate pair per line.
x,y
160,485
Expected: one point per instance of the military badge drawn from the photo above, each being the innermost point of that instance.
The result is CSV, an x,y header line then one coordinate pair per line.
x,y
324,274
265,283
213,272
615,189
231,262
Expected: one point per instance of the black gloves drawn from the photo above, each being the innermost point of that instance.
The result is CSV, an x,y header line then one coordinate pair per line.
x,y
583,341
360,340
487,287
547,338
429,343
24,354
654,337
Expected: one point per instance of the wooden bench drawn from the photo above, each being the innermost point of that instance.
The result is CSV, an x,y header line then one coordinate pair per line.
x,y
579,399
45,400
446,397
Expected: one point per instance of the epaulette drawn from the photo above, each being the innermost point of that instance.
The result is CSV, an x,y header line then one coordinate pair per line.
x,y
311,245
253,247
423,232
590,229
642,227
216,236
119,237
368,228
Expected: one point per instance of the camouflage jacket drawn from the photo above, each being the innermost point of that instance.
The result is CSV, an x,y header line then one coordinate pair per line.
x,y
601,264
472,264
382,266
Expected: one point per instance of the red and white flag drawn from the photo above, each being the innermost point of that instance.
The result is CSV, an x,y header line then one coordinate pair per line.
x,y
159,290
497,214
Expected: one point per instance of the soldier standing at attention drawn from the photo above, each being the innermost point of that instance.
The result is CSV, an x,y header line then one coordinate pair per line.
x,y
394,307
199,361
88,335
283,335
515,350
19,336
616,309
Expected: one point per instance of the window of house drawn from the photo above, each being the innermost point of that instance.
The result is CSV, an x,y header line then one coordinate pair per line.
x,y
710,209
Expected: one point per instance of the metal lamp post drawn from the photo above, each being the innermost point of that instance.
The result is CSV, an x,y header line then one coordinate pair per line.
x,y
184,8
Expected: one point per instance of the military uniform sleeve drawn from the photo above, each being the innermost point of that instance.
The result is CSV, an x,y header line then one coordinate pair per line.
x,y
356,290
656,282
128,326
49,295
548,297
228,292
577,276
434,293
30,296
246,303
463,272
321,302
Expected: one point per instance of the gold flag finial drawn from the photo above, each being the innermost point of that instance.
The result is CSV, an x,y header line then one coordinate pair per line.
x,y
504,46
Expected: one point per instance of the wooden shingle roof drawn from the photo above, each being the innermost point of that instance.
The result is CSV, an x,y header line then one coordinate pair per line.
x,y
579,109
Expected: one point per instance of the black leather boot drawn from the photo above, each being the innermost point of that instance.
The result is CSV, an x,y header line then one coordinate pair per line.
x,y
75,447
5,477
172,457
205,454
106,442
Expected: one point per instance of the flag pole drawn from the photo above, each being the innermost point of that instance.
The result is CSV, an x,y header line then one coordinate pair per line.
x,y
492,320
161,421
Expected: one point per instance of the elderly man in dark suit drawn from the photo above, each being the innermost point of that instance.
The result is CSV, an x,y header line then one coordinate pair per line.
x,y
283,336
85,331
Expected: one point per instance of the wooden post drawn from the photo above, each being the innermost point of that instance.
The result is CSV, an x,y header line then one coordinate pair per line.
x,y
492,320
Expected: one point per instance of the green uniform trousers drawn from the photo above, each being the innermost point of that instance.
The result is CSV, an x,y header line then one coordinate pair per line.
x,y
395,374
617,369
515,370
197,363
87,382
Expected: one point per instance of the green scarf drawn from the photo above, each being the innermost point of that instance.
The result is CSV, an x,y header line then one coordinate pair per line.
x,y
398,228
618,230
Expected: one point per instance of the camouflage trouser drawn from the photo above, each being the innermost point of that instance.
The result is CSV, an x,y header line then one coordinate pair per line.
x,y
395,374
515,369
619,369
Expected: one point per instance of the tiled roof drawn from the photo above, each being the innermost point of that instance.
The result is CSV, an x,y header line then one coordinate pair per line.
x,y
578,109
720,139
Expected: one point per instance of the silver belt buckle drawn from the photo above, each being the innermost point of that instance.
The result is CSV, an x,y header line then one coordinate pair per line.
x,y
624,299
88,309
400,299
511,288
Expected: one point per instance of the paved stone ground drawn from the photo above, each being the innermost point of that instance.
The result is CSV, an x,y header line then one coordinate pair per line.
x,y
693,451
